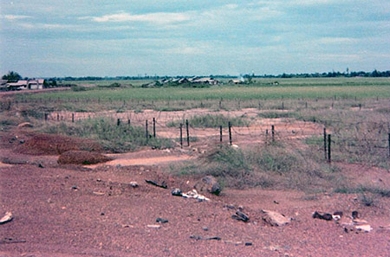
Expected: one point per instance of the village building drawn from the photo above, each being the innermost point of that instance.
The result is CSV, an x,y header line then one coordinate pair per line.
x,y
25,84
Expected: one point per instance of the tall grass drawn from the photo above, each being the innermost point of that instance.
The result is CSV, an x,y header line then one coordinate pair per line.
x,y
112,137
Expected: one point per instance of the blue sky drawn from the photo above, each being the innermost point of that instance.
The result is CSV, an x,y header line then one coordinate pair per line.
x,y
42,38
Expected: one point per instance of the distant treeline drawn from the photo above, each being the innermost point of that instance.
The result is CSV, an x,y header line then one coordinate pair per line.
x,y
332,74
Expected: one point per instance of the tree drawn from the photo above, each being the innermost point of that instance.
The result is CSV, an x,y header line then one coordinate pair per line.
x,y
12,76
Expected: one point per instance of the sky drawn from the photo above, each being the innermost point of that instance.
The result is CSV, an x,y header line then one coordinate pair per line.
x,y
45,38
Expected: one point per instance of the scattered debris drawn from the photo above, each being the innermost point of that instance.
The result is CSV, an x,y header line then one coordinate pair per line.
x,y
229,206
274,218
248,243
98,193
349,223
40,165
322,216
154,226
196,237
337,215
176,192
25,125
154,183
133,184
10,240
364,228
6,218
161,220
194,194
209,184
240,216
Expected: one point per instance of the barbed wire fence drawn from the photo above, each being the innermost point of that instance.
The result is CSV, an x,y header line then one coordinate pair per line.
x,y
335,138
359,139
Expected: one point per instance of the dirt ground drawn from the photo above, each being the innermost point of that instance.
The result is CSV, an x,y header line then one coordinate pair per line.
x,y
92,210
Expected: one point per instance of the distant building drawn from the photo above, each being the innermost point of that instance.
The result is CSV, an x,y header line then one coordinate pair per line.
x,y
25,84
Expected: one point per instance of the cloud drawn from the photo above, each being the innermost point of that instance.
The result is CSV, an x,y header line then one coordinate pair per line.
x,y
158,18
11,17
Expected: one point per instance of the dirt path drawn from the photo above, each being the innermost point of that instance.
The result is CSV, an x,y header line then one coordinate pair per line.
x,y
73,210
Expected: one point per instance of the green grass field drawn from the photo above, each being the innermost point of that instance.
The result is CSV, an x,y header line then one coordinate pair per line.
x,y
345,88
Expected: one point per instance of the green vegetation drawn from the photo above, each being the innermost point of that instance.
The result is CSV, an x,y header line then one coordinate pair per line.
x,y
114,138
211,121
353,110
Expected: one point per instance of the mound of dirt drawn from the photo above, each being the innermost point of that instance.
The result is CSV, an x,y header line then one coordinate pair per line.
x,y
46,144
82,157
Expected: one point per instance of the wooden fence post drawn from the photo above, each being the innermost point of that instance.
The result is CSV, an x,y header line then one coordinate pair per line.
x,y
329,151
325,143
273,132
146,130
220,134
181,135
188,133
389,144
154,127
72,117
230,133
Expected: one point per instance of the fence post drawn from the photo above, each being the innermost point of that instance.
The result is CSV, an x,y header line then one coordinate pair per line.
x,y
128,122
154,127
329,151
146,130
325,143
389,144
188,133
220,134
181,135
72,117
273,132
118,122
230,133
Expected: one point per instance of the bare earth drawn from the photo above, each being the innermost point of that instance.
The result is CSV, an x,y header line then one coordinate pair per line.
x,y
74,210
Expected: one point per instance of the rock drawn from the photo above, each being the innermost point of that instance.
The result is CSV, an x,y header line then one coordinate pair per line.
x,y
209,184
6,218
176,192
161,220
322,216
274,218
241,216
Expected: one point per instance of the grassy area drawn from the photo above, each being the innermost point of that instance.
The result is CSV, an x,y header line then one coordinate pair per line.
x,y
345,88
355,111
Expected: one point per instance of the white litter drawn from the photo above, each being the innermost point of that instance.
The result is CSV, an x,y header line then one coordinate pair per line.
x,y
194,194
6,218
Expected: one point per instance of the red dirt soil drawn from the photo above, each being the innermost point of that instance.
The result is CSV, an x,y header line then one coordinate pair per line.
x,y
73,210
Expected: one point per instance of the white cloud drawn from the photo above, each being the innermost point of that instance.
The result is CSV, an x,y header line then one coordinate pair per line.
x,y
337,40
159,18
16,17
